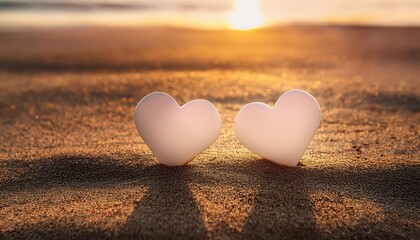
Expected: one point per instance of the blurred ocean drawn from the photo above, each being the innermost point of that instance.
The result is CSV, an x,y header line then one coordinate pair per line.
x,y
202,14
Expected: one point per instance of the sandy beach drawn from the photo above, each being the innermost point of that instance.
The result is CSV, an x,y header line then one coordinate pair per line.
x,y
72,165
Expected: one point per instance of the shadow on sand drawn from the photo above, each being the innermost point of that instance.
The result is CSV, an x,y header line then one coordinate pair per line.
x,y
282,208
396,102
168,210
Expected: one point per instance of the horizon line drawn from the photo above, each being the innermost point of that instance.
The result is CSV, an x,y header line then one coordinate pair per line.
x,y
169,26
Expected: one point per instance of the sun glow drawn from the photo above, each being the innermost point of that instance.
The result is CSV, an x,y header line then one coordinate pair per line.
x,y
246,15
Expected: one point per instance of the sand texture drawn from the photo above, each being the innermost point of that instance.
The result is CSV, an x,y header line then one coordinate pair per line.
x,y
73,166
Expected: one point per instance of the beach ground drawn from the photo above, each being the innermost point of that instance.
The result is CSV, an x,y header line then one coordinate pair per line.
x,y
73,166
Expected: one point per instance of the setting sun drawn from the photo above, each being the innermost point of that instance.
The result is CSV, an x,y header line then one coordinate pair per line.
x,y
246,15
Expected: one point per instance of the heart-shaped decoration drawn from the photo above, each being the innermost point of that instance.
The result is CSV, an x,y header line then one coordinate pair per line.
x,y
280,134
176,134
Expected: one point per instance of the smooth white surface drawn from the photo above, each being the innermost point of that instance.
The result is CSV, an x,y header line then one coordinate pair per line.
x,y
176,134
280,134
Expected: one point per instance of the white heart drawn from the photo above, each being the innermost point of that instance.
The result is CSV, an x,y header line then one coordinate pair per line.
x,y
280,134
176,134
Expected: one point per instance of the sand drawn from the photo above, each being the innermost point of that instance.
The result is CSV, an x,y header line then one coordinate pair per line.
x,y
73,166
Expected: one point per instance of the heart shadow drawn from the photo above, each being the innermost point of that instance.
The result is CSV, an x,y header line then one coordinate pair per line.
x,y
168,209
281,208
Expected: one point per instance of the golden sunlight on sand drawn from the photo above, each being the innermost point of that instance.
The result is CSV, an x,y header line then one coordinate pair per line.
x,y
246,15
231,210
332,211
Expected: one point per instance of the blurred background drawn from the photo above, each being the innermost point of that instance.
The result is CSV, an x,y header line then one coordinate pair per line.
x,y
216,14
72,165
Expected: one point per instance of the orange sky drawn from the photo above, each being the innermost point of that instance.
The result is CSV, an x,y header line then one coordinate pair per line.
x,y
236,14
